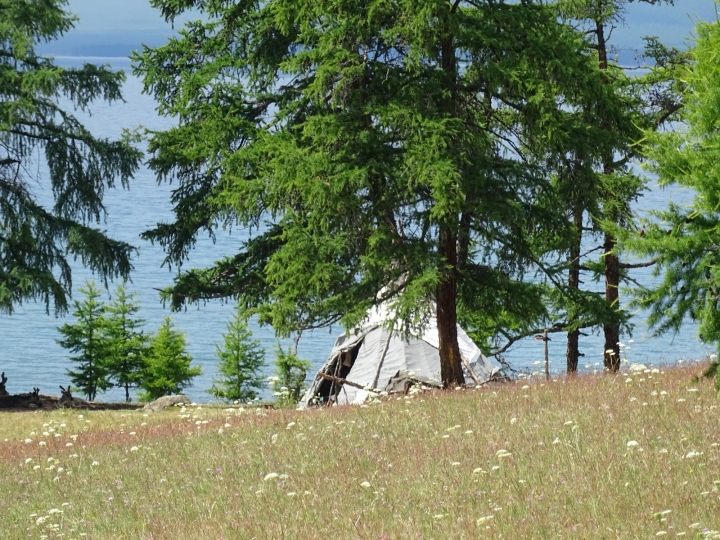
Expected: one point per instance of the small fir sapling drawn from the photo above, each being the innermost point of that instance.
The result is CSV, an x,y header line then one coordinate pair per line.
x,y
240,361
126,342
86,338
166,369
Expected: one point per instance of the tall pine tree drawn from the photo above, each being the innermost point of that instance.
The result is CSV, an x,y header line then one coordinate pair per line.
x,y
399,150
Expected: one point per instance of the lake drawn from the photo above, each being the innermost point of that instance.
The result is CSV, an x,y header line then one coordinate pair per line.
x,y
32,358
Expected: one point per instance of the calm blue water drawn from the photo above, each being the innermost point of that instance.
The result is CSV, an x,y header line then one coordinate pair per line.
x,y
31,357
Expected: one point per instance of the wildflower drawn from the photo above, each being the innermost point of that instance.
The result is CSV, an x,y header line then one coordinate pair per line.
x,y
365,484
36,467
290,425
28,441
42,443
468,432
692,454
134,449
628,380
513,420
568,423
270,476
556,441
438,516
478,471
630,444
291,494
68,444
28,460
525,387
94,464
55,511
482,520
455,463
503,454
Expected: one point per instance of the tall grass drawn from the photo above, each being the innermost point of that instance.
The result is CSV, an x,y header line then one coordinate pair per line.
x,y
629,456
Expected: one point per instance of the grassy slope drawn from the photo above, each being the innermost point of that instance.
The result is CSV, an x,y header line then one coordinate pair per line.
x,y
428,467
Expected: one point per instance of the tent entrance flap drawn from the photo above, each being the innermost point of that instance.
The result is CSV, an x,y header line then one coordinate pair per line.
x,y
337,367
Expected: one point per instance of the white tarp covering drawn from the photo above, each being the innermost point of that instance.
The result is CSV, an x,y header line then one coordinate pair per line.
x,y
382,353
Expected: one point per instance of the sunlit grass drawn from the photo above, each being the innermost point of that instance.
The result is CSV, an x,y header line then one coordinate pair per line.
x,y
628,456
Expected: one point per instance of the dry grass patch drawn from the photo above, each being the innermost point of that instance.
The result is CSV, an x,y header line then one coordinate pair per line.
x,y
628,456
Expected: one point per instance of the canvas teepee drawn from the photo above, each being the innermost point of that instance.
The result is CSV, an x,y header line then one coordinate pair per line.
x,y
372,356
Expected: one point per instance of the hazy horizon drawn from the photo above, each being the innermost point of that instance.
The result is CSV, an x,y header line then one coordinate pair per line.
x,y
116,27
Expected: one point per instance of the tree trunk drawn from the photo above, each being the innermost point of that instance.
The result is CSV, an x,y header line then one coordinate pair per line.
x,y
446,295
573,346
612,282
450,360
611,352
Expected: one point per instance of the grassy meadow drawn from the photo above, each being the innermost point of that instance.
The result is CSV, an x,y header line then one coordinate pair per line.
x,y
635,455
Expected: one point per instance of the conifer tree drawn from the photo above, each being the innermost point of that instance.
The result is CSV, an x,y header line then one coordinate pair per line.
x,y
86,338
38,239
400,149
684,239
290,372
241,359
126,342
167,367
596,181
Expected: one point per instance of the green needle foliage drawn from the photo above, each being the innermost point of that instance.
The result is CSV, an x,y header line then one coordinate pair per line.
x,y
37,240
241,359
86,338
291,372
380,151
596,182
126,342
685,238
167,364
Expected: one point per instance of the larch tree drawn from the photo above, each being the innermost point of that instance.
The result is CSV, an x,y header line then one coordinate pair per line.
x,y
126,342
241,359
380,150
166,367
599,182
39,238
86,338
684,239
